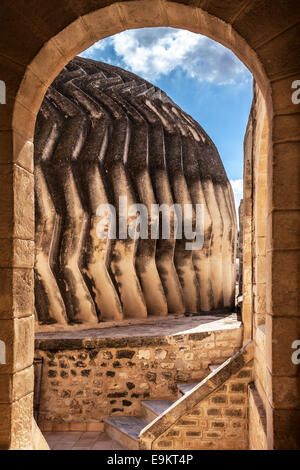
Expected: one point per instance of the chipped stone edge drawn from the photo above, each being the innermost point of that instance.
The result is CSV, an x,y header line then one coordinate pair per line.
x,y
188,401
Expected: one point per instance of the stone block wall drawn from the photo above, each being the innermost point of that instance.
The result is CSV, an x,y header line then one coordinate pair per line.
x,y
240,247
219,422
213,415
86,379
254,252
257,420
254,217
260,365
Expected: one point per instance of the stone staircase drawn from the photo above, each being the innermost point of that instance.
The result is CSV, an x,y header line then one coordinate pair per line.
x,y
126,429
211,414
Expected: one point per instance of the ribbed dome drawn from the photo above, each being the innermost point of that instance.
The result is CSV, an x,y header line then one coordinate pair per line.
x,y
101,133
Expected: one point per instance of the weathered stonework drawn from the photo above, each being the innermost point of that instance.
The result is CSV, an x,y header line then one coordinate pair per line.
x,y
85,380
267,40
257,420
103,133
254,228
213,415
219,422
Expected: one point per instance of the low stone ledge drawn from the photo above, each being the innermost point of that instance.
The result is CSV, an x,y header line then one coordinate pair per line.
x,y
167,331
61,344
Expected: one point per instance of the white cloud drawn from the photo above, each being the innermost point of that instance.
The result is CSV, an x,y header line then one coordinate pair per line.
x,y
92,51
153,52
237,187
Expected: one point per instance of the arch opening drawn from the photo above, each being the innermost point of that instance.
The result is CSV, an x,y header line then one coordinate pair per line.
x,y
59,86
58,51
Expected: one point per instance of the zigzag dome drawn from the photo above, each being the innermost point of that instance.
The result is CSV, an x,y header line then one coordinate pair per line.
x,y
103,132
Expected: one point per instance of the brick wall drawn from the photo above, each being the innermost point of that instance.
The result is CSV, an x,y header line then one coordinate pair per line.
x,y
83,381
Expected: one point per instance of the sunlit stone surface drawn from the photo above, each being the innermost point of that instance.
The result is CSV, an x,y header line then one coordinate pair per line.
x,y
102,133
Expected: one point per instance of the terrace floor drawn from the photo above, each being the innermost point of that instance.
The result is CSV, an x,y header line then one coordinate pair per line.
x,y
80,440
155,326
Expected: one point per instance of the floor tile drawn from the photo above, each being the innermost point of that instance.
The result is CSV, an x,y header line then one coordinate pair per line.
x,y
78,440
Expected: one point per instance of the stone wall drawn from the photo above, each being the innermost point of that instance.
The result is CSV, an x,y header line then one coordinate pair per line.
x,y
257,421
240,248
86,379
213,415
254,223
267,40
254,250
220,422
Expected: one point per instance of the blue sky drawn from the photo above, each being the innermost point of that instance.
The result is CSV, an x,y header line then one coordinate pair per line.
x,y
204,78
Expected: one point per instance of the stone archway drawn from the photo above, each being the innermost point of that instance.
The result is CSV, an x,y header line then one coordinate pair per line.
x,y
264,46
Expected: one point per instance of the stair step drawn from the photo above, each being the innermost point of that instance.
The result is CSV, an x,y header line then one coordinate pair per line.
x,y
154,408
186,387
125,430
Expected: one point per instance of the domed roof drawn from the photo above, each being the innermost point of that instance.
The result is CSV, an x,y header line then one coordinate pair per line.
x,y
103,134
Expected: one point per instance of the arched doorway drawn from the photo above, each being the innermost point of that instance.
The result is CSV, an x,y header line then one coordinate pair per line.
x,y
264,46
